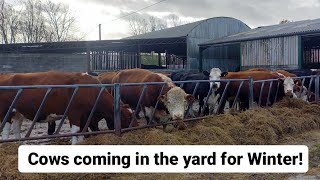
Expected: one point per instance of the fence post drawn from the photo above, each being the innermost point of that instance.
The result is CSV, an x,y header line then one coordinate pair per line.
x,y
117,113
317,91
250,92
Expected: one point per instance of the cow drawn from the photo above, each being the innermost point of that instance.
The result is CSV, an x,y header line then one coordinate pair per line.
x,y
301,85
106,78
299,91
172,103
305,72
203,87
285,88
58,99
52,119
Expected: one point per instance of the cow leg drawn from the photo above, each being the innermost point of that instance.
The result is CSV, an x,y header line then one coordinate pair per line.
x,y
6,131
138,111
75,118
200,106
231,101
220,109
148,113
74,129
16,127
110,124
51,127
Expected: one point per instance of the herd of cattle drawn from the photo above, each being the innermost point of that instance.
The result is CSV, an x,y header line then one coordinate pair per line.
x,y
172,98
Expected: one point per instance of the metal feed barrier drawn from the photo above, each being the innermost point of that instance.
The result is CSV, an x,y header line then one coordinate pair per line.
x,y
116,89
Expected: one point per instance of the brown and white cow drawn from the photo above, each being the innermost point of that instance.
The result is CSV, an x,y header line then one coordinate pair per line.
x,y
285,87
299,90
173,101
58,99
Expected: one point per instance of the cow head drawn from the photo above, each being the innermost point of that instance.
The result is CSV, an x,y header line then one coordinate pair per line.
x,y
311,97
288,85
215,74
126,116
195,106
176,101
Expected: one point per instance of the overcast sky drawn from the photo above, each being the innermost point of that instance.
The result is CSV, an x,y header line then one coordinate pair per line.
x,y
90,13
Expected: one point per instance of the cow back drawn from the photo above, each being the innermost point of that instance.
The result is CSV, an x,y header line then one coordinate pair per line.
x,y
131,94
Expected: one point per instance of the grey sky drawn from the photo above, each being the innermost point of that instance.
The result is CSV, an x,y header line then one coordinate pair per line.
x,y
252,12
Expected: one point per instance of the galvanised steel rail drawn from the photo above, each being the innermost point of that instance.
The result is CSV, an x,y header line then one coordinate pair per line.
x,y
314,82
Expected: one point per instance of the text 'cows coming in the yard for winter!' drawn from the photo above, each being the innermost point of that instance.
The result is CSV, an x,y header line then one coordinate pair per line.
x,y
169,159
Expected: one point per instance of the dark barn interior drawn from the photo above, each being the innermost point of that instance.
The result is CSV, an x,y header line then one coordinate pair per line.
x,y
311,51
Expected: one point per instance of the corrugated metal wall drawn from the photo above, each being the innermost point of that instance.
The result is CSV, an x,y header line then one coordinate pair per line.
x,y
271,53
211,29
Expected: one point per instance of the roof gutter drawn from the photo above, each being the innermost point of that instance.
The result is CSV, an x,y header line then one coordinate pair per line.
x,y
256,38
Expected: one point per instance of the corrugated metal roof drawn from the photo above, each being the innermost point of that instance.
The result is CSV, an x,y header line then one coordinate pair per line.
x,y
178,31
174,32
287,29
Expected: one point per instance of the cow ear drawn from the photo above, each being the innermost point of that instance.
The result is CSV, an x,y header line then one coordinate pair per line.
x,y
281,80
162,98
224,74
190,98
206,73
298,82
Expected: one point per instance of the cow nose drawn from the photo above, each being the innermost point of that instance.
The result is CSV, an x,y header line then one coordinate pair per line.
x,y
289,93
215,85
178,116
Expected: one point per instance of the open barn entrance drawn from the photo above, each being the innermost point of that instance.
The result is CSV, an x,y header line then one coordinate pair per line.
x,y
311,51
162,54
225,57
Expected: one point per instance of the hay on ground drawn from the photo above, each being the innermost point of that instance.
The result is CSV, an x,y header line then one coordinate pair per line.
x,y
274,125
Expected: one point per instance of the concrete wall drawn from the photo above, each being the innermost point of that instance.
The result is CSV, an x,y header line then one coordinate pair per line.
x,y
12,62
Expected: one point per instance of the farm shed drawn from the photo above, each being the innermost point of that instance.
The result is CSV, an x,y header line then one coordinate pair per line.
x,y
190,35
172,48
292,45
77,56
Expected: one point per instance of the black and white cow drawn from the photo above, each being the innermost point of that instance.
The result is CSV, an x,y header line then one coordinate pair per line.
x,y
203,87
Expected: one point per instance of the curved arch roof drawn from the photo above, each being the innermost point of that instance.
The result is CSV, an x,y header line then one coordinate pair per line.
x,y
174,32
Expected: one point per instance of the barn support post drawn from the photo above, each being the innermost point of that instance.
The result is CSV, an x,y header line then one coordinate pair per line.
x,y
250,92
121,59
159,60
88,61
201,49
317,90
117,113
300,53
139,55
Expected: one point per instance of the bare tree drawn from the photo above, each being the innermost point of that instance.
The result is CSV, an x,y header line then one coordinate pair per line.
x,y
60,21
33,22
137,25
156,24
140,24
173,20
9,22
284,21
